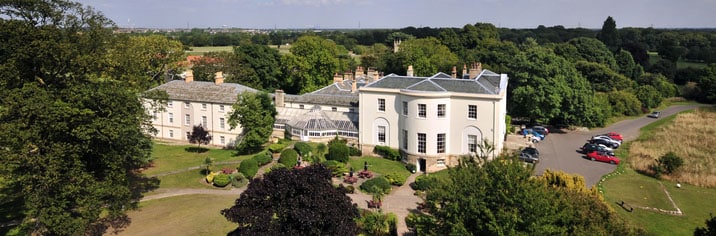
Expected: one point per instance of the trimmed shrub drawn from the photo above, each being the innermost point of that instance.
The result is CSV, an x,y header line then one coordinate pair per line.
x,y
289,157
353,151
396,179
376,184
263,158
221,180
338,151
388,153
422,183
302,148
249,167
238,180
276,147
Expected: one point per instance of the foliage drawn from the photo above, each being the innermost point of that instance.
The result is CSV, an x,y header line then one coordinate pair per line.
x,y
208,162
388,153
627,66
424,182
376,185
238,180
609,34
377,223
293,202
302,148
337,168
426,55
221,180
276,147
602,78
354,151
144,61
288,158
510,202
263,158
256,115
248,168
648,95
210,177
199,135
396,179
624,103
337,150
260,66
669,163
411,167
311,64
660,83
710,228
707,85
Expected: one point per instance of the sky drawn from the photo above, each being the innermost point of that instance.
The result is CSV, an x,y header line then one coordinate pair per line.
x,y
363,14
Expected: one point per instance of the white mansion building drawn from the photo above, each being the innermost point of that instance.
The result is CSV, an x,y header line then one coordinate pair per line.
x,y
431,120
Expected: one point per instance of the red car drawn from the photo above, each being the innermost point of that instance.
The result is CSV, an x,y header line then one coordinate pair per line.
x,y
603,157
615,136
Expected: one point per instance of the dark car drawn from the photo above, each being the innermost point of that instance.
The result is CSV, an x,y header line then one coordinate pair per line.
x,y
655,114
530,155
590,147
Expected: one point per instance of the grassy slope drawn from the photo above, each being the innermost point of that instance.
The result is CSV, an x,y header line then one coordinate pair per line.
x,y
182,215
175,157
634,188
379,165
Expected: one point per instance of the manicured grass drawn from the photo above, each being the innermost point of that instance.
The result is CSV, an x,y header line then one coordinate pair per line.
x,y
190,179
181,215
379,165
176,157
634,188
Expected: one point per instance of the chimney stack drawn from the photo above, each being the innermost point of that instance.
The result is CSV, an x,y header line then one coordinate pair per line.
x,y
219,77
475,70
188,76
410,71
337,78
464,70
359,72
279,97
454,72
354,86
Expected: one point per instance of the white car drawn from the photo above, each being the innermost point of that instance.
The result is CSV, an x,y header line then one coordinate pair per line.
x,y
608,149
607,138
606,141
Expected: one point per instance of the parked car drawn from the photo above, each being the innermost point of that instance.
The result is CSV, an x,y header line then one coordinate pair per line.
x,y
532,132
590,147
530,155
655,114
541,129
614,135
603,157
606,142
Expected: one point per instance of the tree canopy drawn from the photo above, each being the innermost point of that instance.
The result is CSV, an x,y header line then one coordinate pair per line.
x,y
311,64
256,115
199,135
73,133
293,202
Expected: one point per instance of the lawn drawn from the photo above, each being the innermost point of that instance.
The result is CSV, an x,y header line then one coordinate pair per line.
x,y
637,189
379,165
181,215
176,157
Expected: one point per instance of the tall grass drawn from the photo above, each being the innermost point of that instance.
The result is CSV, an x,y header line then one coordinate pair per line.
x,y
690,136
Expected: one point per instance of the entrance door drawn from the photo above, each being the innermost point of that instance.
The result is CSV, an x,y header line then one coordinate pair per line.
x,y
421,164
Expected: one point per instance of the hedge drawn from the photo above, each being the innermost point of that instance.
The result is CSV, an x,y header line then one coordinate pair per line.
x,y
388,153
263,158
249,167
396,179
380,183
338,151
221,180
289,158
238,180
423,182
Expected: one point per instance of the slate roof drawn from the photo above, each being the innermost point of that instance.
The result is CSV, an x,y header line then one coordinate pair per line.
x,y
336,94
203,91
487,82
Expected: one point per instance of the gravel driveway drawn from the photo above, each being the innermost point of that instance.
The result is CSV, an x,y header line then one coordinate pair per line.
x,y
559,150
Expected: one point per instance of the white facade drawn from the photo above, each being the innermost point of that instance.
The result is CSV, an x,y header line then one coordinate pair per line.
x,y
439,125
177,122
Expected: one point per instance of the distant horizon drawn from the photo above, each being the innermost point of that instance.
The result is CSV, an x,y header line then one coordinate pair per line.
x,y
397,14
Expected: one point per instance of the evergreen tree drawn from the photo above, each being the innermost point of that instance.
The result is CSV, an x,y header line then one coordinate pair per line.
x,y
609,34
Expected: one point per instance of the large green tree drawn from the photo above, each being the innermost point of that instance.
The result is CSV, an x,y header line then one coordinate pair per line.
x,y
602,78
293,202
311,64
144,61
427,56
593,50
609,34
72,134
510,201
256,116
260,65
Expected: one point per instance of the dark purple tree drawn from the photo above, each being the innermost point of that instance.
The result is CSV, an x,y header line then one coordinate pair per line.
x,y
199,135
293,202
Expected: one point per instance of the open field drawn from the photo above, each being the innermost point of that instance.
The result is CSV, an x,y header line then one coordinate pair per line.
x,y
638,190
690,136
181,215
283,49
195,51
681,64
